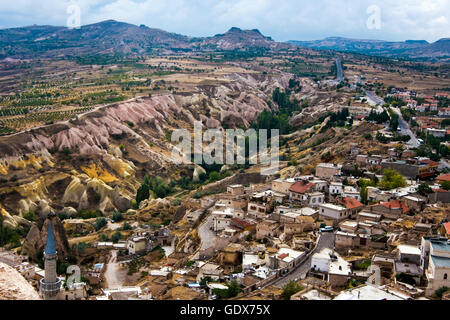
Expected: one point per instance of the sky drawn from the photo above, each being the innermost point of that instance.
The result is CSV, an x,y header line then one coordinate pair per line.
x,y
393,20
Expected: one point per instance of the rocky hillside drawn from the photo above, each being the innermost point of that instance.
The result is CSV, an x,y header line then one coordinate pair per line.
x,y
113,37
98,160
420,49
236,38
14,287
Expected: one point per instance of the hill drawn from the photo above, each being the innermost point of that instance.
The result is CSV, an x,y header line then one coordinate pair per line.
x,y
410,49
113,37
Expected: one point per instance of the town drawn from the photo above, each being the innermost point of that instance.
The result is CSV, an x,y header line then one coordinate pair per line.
x,y
326,236
207,166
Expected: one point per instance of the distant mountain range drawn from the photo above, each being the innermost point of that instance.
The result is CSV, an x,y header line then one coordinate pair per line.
x,y
113,37
410,49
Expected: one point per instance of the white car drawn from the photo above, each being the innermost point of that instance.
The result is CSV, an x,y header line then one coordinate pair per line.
x,y
327,229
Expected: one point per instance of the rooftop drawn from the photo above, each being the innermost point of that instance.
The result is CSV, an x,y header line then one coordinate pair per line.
x,y
301,186
441,262
405,249
329,165
367,292
350,203
332,207
396,204
443,177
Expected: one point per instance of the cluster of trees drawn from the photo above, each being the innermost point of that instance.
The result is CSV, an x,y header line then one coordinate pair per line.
x,y
392,180
269,120
394,122
378,117
100,223
338,119
383,139
433,148
395,102
156,185
115,238
290,289
233,290
9,236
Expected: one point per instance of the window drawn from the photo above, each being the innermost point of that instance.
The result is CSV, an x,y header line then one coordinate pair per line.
x,y
445,276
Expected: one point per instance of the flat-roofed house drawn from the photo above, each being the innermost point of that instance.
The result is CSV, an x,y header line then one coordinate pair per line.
x,y
236,190
267,228
257,210
137,245
335,269
334,212
212,270
328,170
438,272
282,185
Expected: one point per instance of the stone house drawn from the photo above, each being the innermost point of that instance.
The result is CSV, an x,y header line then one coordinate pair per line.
x,y
267,228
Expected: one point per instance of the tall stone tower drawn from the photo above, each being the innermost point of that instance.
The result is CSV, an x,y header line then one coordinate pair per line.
x,y
50,285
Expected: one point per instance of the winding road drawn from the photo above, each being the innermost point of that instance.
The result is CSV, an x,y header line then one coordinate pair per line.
x,y
340,73
326,241
111,274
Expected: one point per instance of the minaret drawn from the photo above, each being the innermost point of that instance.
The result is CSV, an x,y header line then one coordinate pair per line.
x,y
50,285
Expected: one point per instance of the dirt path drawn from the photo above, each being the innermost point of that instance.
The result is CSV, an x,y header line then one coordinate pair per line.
x,y
113,277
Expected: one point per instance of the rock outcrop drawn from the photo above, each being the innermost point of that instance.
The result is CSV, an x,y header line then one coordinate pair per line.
x,y
34,243
13,285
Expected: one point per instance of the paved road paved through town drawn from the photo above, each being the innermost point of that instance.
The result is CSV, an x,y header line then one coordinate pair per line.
x,y
326,241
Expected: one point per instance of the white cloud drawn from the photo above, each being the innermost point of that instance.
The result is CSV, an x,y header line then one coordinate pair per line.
x,y
281,19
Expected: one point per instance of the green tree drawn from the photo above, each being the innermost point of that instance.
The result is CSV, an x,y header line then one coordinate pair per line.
x,y
364,193
425,189
143,193
116,237
117,216
440,292
392,180
290,289
100,223
446,185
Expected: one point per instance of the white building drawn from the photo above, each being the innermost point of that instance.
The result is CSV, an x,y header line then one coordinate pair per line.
x,y
332,211
336,188
438,271
369,292
221,220
332,265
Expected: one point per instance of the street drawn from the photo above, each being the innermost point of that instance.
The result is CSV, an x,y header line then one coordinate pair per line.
x,y
374,100
340,73
113,277
326,241
406,130
403,125
206,234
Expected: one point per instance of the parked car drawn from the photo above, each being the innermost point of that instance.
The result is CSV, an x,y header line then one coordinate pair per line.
x,y
327,229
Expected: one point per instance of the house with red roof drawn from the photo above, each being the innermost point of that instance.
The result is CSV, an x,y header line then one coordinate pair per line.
x,y
391,210
353,206
304,191
445,231
443,178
